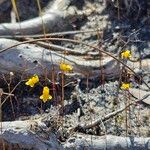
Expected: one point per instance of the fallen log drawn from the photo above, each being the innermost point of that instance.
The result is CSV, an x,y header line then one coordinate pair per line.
x,y
109,142
24,57
31,59
31,135
27,135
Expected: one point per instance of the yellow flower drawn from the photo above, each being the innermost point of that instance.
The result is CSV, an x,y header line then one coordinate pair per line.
x,y
45,96
125,86
32,81
65,67
126,54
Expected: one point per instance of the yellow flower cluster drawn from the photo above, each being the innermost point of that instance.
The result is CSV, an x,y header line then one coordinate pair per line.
x,y
35,79
126,54
45,94
67,68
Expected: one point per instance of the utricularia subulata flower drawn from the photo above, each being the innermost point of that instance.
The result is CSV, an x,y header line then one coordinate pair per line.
x,y
125,86
45,95
126,54
32,81
65,67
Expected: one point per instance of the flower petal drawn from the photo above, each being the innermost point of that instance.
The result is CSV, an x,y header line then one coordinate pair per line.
x,y
65,67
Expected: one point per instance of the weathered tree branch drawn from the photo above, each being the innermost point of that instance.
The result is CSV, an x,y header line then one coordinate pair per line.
x,y
109,142
54,19
27,135
32,59
34,135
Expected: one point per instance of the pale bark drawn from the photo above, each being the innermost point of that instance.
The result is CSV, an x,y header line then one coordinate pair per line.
x,y
33,134
53,20
109,142
27,135
30,59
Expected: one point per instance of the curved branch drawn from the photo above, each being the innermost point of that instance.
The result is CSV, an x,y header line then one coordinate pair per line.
x,y
53,21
